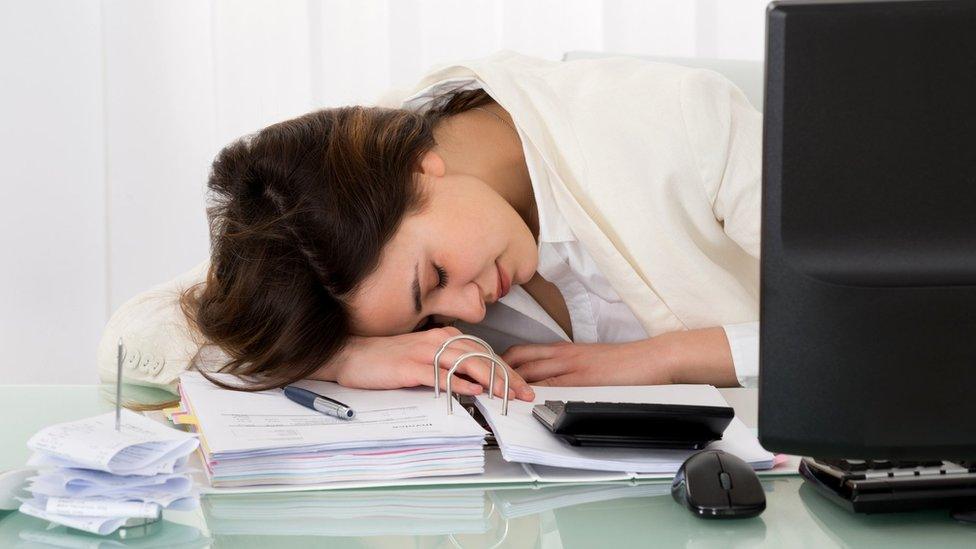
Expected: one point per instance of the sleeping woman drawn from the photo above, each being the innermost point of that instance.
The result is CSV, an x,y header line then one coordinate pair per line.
x,y
595,221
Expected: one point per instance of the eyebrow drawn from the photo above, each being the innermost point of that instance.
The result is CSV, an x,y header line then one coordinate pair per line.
x,y
417,306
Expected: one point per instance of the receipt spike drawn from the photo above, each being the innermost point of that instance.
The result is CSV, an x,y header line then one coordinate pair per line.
x,y
118,388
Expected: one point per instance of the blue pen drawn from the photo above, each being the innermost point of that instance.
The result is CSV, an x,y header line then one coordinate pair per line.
x,y
319,403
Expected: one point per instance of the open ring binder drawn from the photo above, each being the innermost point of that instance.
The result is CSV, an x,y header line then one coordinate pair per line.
x,y
494,361
437,362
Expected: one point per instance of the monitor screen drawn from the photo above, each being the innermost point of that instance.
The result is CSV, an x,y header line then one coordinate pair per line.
x,y
868,299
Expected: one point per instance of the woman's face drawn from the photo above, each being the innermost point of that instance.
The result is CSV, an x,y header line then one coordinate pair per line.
x,y
465,249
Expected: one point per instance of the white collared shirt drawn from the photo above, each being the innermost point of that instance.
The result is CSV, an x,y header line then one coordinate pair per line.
x,y
597,313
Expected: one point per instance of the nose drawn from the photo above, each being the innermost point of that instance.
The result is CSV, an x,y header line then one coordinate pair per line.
x,y
466,304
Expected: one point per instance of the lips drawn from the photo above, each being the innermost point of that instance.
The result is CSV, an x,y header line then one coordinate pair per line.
x,y
504,282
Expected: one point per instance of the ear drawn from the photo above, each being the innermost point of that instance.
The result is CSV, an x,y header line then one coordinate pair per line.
x,y
432,165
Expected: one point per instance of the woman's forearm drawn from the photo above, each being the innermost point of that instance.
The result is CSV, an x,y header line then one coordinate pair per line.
x,y
699,356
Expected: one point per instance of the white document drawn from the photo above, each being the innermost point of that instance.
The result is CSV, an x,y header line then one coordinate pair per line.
x,y
99,507
96,525
266,422
76,483
172,488
142,445
102,477
523,439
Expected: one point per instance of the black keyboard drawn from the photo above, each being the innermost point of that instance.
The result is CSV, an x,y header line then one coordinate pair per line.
x,y
881,485
892,467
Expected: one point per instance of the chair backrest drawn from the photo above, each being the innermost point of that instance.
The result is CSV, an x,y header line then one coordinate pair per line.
x,y
747,75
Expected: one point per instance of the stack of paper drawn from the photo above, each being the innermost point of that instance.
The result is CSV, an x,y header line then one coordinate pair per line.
x,y
262,438
100,477
523,439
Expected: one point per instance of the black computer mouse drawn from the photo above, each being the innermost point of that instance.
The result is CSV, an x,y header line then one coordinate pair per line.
x,y
714,484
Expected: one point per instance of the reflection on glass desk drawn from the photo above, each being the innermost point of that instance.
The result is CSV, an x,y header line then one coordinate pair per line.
x,y
603,515
415,512
17,530
607,515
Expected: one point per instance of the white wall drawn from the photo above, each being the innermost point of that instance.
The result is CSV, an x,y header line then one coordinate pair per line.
x,y
53,285
111,111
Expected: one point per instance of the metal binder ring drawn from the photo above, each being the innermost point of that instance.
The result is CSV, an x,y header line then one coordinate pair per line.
x,y
494,361
501,540
437,363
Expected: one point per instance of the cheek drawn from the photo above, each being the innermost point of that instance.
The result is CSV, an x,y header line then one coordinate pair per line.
x,y
465,259
528,254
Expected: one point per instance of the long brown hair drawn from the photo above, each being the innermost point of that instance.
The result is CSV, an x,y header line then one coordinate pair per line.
x,y
300,212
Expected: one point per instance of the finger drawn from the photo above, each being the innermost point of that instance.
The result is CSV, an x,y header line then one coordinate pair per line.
x,y
480,370
462,387
454,349
448,331
458,385
517,354
538,370
437,336
518,386
474,368
451,355
568,380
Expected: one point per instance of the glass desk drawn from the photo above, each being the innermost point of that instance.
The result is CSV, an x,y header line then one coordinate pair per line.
x,y
604,515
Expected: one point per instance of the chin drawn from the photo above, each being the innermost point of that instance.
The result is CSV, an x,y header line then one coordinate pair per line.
x,y
531,270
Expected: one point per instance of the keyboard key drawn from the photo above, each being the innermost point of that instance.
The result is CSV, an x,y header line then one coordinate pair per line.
x,y
953,468
846,464
968,464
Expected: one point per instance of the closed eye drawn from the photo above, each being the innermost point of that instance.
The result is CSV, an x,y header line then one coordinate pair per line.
x,y
428,321
441,276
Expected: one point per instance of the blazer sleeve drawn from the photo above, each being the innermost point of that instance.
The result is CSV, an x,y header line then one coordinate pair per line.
x,y
159,342
725,134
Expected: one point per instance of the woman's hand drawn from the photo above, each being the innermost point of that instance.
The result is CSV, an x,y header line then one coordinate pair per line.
x,y
585,364
692,356
407,360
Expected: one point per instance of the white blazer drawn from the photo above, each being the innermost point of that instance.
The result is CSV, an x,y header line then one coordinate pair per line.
x,y
655,167
657,170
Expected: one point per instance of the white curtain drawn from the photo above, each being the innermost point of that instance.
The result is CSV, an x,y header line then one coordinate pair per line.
x,y
111,111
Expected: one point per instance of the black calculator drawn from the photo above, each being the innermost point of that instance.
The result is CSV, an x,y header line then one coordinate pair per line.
x,y
634,425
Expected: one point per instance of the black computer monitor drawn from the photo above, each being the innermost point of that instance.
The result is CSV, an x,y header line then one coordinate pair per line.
x,y
868,300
